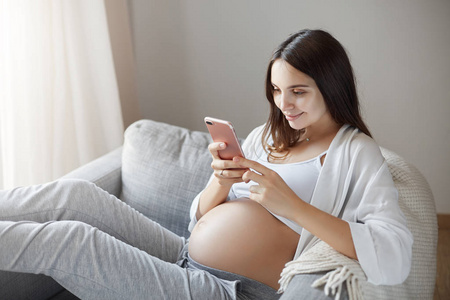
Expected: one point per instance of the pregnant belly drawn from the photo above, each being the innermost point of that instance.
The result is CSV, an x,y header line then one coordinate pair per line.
x,y
242,237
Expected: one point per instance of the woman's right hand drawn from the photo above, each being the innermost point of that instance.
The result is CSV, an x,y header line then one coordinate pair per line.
x,y
227,172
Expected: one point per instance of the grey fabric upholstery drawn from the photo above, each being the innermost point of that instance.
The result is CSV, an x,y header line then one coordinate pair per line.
x,y
106,172
163,168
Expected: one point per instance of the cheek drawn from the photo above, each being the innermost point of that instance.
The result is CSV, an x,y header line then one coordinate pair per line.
x,y
317,104
319,108
323,107
277,101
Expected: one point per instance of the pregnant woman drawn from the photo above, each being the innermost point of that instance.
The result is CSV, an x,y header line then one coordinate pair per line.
x,y
311,172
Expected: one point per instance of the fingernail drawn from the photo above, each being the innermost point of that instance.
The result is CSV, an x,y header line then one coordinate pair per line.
x,y
236,159
222,145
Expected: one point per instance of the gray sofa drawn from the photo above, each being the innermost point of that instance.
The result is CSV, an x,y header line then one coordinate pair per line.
x,y
161,168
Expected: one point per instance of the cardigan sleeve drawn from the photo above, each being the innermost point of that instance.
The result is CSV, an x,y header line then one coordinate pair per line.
x,y
382,240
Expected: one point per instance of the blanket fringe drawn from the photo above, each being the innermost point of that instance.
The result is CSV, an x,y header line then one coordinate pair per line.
x,y
322,258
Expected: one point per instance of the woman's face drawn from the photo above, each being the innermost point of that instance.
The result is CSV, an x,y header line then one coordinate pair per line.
x,y
298,97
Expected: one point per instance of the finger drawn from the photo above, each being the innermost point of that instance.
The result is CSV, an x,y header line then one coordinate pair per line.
x,y
255,194
219,174
219,164
223,178
255,189
214,148
232,173
252,176
251,164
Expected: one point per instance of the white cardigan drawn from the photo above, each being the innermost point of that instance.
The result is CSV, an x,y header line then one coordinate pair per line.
x,y
356,186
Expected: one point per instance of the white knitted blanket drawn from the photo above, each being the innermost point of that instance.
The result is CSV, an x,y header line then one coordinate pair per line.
x,y
319,258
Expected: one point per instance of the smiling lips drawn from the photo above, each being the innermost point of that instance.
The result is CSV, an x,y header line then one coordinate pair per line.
x,y
292,117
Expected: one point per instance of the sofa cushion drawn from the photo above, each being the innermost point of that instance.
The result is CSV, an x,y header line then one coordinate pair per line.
x,y
163,168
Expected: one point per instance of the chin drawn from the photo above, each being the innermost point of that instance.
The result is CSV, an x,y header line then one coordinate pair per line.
x,y
295,126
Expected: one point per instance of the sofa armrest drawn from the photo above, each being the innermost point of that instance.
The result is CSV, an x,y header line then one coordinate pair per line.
x,y
105,172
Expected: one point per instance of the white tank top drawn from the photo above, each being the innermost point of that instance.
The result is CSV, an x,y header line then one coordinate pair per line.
x,y
301,177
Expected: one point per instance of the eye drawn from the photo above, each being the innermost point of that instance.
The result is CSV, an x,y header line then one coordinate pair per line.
x,y
275,89
298,92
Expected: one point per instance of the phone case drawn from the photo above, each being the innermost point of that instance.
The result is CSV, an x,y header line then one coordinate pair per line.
x,y
223,131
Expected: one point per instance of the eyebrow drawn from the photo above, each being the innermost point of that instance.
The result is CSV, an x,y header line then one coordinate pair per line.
x,y
294,86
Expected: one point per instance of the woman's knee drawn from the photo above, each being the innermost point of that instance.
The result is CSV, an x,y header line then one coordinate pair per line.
x,y
75,185
75,194
76,188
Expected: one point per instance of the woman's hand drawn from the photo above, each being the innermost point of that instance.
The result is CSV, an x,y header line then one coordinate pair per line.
x,y
271,191
275,195
227,172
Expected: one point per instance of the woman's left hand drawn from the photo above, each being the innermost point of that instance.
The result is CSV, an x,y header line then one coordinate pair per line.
x,y
271,191
275,195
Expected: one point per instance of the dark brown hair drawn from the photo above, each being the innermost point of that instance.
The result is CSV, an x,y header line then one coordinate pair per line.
x,y
319,55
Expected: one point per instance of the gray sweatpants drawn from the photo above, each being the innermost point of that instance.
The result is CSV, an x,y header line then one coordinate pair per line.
x,y
96,246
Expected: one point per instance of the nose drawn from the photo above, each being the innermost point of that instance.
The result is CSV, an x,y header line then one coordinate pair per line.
x,y
284,102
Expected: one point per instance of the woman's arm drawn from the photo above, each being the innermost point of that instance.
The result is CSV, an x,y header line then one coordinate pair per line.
x,y
213,195
330,229
218,188
275,195
226,173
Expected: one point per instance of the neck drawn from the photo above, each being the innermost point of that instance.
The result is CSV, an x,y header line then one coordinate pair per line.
x,y
320,132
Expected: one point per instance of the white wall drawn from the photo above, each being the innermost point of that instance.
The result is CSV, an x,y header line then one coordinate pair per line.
x,y
203,57
121,40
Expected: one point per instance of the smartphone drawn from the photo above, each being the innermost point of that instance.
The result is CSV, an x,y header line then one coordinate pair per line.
x,y
223,131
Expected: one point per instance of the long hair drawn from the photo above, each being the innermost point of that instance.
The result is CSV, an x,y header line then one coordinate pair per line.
x,y
319,55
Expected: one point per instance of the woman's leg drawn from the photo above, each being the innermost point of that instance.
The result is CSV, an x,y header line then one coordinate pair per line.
x,y
83,201
300,288
94,265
